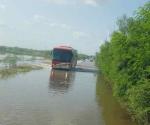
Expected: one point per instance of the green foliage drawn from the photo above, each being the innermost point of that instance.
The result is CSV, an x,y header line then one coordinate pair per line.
x,y
83,56
125,59
139,99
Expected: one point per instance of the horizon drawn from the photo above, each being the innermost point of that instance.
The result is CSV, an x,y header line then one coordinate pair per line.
x,y
41,49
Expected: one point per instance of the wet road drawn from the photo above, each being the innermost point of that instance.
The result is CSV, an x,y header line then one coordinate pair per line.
x,y
53,97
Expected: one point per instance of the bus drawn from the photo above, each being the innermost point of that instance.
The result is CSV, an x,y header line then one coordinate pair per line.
x,y
64,57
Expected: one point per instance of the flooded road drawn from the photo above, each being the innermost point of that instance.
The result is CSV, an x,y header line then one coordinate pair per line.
x,y
53,97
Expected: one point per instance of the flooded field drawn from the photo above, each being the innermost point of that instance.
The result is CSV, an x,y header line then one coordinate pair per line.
x,y
53,97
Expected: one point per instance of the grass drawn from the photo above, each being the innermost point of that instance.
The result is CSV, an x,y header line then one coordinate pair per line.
x,y
12,71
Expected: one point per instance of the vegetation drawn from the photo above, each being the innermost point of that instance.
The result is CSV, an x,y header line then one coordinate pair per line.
x,y
24,51
33,53
11,71
10,61
84,56
125,59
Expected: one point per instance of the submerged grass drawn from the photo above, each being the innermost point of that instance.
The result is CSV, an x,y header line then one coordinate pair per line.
x,y
12,71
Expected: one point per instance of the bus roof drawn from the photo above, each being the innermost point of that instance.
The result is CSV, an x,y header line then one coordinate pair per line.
x,y
64,47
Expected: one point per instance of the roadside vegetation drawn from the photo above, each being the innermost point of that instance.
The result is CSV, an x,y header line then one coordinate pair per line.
x,y
84,56
125,60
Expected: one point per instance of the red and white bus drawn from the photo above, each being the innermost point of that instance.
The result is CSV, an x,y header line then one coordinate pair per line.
x,y
64,57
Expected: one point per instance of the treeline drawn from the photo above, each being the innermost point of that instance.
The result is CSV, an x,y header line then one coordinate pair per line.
x,y
32,52
125,60
84,56
24,51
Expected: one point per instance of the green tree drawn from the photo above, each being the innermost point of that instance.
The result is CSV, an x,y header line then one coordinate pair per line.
x,y
125,59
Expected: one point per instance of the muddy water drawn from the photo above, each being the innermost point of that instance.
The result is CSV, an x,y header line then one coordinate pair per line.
x,y
51,97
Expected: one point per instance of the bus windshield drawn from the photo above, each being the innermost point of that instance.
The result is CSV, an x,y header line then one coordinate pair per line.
x,y
62,55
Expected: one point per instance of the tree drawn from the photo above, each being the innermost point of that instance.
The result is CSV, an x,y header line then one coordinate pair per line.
x,y
125,59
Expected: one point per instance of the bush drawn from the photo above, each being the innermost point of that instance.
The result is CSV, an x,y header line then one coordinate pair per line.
x,y
139,101
125,59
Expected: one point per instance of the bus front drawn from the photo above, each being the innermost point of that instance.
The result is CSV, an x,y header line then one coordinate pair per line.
x,y
62,58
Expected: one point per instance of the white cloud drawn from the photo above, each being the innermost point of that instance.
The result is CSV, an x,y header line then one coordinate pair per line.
x,y
79,34
75,2
53,24
58,1
90,2
40,18
2,6
65,26
37,18
60,25
43,21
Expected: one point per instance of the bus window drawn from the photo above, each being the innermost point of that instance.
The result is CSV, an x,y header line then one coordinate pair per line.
x,y
62,55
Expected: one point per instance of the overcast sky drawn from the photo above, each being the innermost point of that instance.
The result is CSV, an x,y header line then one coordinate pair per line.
x,y
43,24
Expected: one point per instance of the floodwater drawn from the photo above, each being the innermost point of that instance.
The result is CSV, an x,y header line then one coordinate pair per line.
x,y
53,97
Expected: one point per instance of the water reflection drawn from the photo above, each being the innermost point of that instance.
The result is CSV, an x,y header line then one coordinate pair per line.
x,y
61,80
112,112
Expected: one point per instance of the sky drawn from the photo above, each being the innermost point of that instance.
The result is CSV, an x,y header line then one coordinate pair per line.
x,y
44,24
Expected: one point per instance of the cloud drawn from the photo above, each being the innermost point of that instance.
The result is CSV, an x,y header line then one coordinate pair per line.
x,y
65,26
58,1
44,21
2,6
75,2
79,34
37,16
53,24
90,2
60,25
40,18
